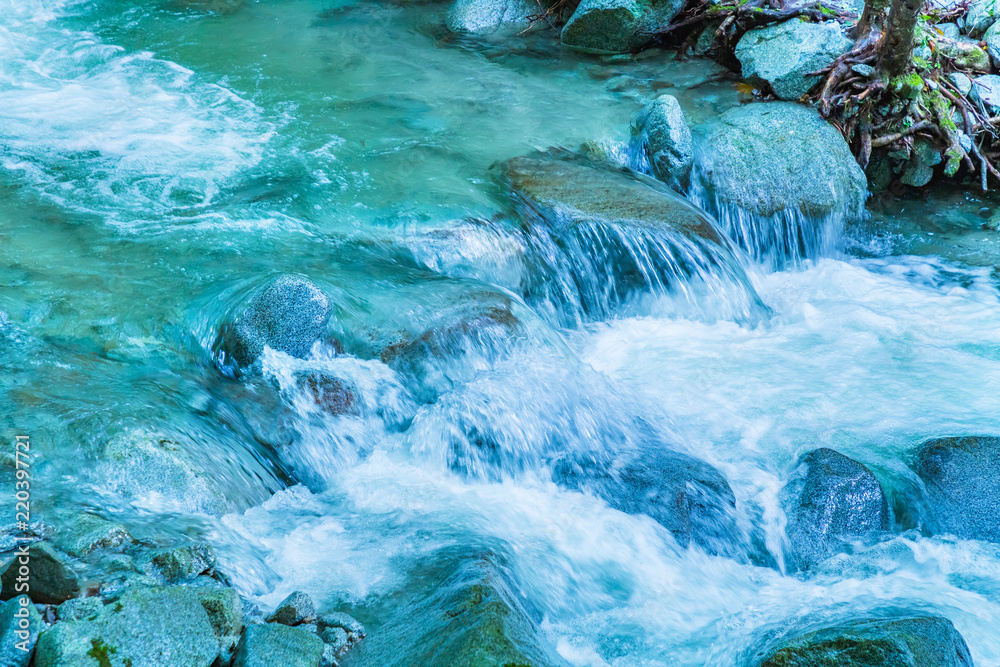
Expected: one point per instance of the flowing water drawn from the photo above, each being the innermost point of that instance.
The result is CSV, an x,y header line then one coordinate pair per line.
x,y
161,158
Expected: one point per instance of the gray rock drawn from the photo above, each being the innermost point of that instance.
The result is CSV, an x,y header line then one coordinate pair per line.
x,y
296,609
982,14
329,657
986,89
962,478
948,30
579,192
920,167
491,16
82,534
144,628
270,644
51,580
616,26
831,498
80,609
666,140
706,39
179,564
992,39
338,619
775,156
224,609
962,82
288,315
340,632
20,624
918,641
783,54
966,53
686,496
162,471
470,615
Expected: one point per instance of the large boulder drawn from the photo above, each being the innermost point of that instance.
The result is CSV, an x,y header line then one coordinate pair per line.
x,y
473,617
491,16
143,628
962,478
782,55
666,140
831,498
51,579
773,157
172,472
270,644
288,315
572,190
982,14
917,641
20,624
686,496
616,26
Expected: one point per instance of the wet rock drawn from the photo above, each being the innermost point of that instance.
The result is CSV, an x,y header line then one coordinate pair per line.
x,y
288,315
161,471
80,609
51,580
576,191
270,644
986,89
776,156
296,609
491,16
982,14
224,609
666,140
20,624
962,478
83,534
332,394
831,498
143,628
616,26
471,617
339,632
918,641
706,39
782,55
179,564
686,496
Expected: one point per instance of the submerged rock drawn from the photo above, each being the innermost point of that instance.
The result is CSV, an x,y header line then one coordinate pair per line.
x,y
270,644
180,564
80,609
573,190
666,140
962,478
686,496
491,16
782,55
616,26
472,618
917,641
51,579
288,315
143,628
775,156
20,624
831,498
83,534
296,609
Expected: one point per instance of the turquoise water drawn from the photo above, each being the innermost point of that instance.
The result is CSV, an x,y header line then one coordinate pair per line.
x,y
162,158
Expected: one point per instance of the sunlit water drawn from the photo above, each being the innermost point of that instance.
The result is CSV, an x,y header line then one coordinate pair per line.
x,y
160,159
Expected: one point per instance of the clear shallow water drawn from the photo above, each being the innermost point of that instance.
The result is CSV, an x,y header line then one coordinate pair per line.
x,y
159,160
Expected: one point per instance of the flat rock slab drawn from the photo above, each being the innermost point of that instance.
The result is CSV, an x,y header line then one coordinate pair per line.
x,y
574,190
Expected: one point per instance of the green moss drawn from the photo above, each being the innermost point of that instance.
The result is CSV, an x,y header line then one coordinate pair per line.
x,y
102,653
